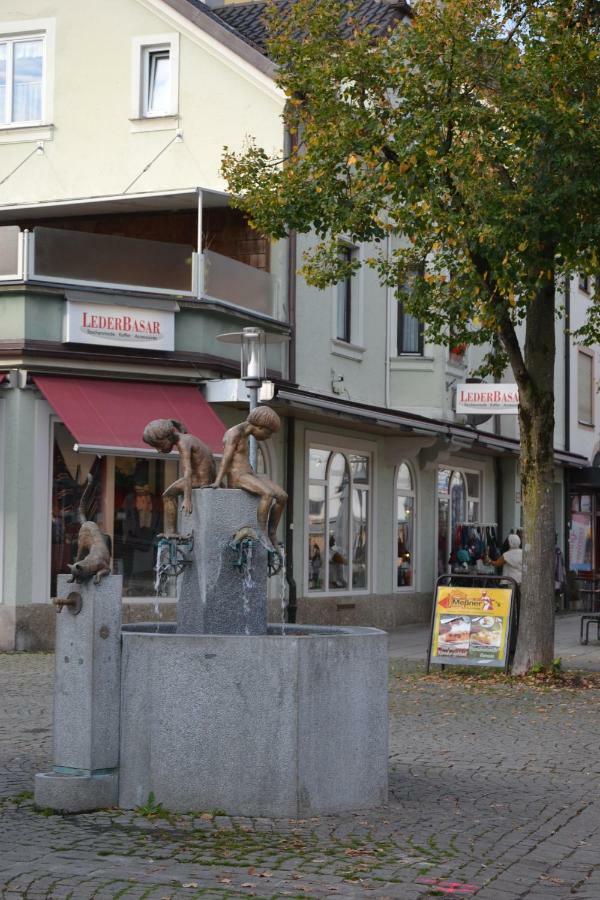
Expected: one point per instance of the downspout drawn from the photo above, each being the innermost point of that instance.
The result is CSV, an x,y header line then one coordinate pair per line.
x,y
567,414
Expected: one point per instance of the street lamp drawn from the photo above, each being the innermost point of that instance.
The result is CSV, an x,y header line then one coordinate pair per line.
x,y
253,367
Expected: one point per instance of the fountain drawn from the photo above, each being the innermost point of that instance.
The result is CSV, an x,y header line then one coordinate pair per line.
x,y
219,710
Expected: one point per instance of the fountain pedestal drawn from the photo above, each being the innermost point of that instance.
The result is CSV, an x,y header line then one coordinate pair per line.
x,y
213,596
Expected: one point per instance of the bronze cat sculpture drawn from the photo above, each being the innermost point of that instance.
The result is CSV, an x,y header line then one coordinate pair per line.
x,y
93,550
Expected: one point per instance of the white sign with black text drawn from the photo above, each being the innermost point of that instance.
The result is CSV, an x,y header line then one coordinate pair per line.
x,y
118,326
497,399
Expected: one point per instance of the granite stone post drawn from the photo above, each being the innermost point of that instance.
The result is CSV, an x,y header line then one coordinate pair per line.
x,y
86,700
213,596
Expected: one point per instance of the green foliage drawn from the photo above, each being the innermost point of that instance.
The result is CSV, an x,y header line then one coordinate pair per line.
x,y
470,138
153,809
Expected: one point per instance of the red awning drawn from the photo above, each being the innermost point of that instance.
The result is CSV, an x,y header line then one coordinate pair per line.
x,y
110,416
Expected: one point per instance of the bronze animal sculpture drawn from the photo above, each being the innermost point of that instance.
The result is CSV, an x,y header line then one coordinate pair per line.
x,y
197,463
93,549
261,424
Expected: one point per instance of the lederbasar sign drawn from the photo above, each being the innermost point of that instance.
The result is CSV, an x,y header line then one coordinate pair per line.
x,y
122,326
489,398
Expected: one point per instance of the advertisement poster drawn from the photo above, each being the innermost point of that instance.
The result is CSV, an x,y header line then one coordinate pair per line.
x,y
471,625
580,542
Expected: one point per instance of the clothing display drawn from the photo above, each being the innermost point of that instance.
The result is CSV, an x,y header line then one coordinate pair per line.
x,y
472,542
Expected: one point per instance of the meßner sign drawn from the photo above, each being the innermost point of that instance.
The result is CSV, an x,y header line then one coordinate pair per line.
x,y
118,326
497,399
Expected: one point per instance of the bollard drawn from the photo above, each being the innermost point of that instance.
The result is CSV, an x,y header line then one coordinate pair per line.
x,y
86,698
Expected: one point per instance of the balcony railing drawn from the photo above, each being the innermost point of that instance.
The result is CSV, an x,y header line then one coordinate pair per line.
x,y
107,260
235,282
85,259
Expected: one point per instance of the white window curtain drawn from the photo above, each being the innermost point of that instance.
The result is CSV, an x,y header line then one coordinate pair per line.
x,y
21,80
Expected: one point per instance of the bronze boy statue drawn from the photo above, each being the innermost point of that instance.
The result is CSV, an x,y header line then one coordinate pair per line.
x,y
197,463
261,424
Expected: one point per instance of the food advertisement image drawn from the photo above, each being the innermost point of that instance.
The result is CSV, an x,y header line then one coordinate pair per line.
x,y
471,626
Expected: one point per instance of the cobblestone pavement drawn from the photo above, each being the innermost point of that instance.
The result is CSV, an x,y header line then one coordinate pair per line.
x,y
492,794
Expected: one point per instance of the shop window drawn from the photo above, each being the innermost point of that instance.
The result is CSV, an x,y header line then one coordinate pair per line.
x,y
459,503
126,503
338,520
405,527
585,388
581,533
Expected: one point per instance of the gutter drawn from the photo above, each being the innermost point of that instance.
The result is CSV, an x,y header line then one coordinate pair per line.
x,y
409,423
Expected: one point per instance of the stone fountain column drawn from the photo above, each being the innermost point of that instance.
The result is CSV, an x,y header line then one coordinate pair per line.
x,y
213,596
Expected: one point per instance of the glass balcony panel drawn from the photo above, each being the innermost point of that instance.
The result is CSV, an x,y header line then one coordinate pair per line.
x,y
106,259
235,282
9,252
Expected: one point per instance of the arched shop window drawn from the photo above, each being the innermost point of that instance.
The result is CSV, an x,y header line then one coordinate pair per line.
x,y
405,527
338,520
459,503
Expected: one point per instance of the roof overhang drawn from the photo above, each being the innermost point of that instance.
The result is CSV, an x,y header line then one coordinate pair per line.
x,y
158,201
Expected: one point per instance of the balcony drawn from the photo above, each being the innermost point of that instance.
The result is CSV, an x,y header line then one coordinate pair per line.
x,y
59,256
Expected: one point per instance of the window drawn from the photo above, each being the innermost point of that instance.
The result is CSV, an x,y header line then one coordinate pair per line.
x,y
126,503
157,82
343,322
409,328
338,520
155,76
584,283
405,527
459,503
585,388
22,79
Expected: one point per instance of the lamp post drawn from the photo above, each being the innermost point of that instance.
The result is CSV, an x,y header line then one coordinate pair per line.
x,y
253,369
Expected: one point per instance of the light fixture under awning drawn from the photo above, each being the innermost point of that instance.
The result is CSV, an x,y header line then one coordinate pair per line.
x,y
110,416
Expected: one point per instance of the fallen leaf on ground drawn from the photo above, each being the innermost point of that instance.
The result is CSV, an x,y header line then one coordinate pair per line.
x,y
190,884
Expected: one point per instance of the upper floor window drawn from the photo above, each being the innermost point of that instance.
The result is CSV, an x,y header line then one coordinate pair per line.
x,y
157,81
155,76
344,298
409,330
22,79
584,283
585,388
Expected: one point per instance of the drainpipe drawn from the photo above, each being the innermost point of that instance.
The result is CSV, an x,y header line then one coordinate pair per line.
x,y
567,414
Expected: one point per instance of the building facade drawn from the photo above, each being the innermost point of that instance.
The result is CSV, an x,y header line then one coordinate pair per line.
x,y
122,260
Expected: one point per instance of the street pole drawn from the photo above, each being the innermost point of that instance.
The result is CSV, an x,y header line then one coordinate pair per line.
x,y
253,403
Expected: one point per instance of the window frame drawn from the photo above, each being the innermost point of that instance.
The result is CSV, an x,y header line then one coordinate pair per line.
x,y
580,420
349,300
413,493
463,471
400,352
31,30
333,445
142,50
583,282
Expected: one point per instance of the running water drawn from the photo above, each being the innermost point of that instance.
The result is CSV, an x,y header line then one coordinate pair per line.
x,y
284,601
247,584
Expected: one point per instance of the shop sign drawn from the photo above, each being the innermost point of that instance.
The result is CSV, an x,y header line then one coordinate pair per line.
x,y
118,326
497,399
471,626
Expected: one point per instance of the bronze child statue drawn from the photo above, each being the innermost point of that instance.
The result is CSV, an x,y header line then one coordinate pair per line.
x,y
261,424
197,463
93,547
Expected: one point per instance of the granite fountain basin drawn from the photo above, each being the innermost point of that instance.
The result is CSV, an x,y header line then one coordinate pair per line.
x,y
284,724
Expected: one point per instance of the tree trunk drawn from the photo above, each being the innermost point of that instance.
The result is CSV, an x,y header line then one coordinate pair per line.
x,y
535,643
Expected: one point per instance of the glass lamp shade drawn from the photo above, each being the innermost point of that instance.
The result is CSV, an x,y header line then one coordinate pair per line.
x,y
254,355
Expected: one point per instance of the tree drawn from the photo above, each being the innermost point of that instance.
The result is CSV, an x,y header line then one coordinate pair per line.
x,y
474,133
